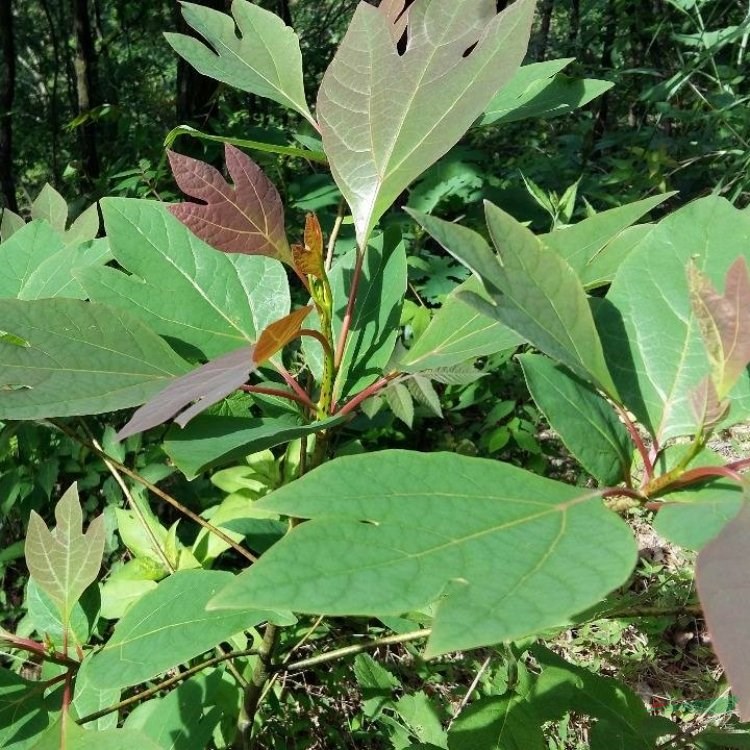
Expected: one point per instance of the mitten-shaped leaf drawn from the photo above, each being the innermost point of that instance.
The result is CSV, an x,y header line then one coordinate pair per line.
x,y
264,59
386,117
64,562
308,258
245,218
724,322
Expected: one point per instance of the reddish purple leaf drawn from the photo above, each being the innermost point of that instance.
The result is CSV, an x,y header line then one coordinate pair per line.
x,y
722,576
708,408
724,322
206,385
247,217
308,258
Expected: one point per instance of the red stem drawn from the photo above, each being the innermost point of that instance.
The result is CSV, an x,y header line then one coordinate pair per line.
x,y
743,463
363,395
648,467
346,323
627,491
35,647
318,336
294,385
705,472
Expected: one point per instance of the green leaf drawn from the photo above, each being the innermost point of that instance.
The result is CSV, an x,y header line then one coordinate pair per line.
x,y
65,561
585,245
70,735
376,682
504,722
586,422
78,358
458,333
623,719
693,517
51,207
400,401
169,626
649,330
185,718
181,287
88,698
497,547
37,264
46,618
263,59
533,291
386,117
419,714
10,223
539,90
210,441
24,711
374,324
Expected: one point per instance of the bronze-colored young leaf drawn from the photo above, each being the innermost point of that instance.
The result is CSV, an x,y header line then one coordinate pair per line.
x,y
206,386
721,575
724,321
276,336
247,217
64,562
308,258
385,117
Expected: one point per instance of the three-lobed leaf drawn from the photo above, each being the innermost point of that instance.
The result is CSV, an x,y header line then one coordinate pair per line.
x,y
498,548
263,59
247,217
64,562
386,117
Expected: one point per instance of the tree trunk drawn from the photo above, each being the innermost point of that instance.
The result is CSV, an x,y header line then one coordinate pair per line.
x,y
574,26
195,92
284,12
86,91
544,28
7,92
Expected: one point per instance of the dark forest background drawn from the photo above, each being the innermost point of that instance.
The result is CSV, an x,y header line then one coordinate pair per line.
x,y
90,88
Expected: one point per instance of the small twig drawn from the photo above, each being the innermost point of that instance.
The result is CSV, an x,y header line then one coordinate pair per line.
x,y
470,691
131,500
154,689
293,384
158,492
358,648
335,234
363,395
347,321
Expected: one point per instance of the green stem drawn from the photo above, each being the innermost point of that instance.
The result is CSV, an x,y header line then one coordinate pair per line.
x,y
254,690
155,689
357,648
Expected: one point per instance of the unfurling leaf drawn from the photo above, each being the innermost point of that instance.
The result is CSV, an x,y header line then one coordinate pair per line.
x,y
206,386
386,117
64,562
308,259
263,59
276,336
245,218
721,576
724,322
